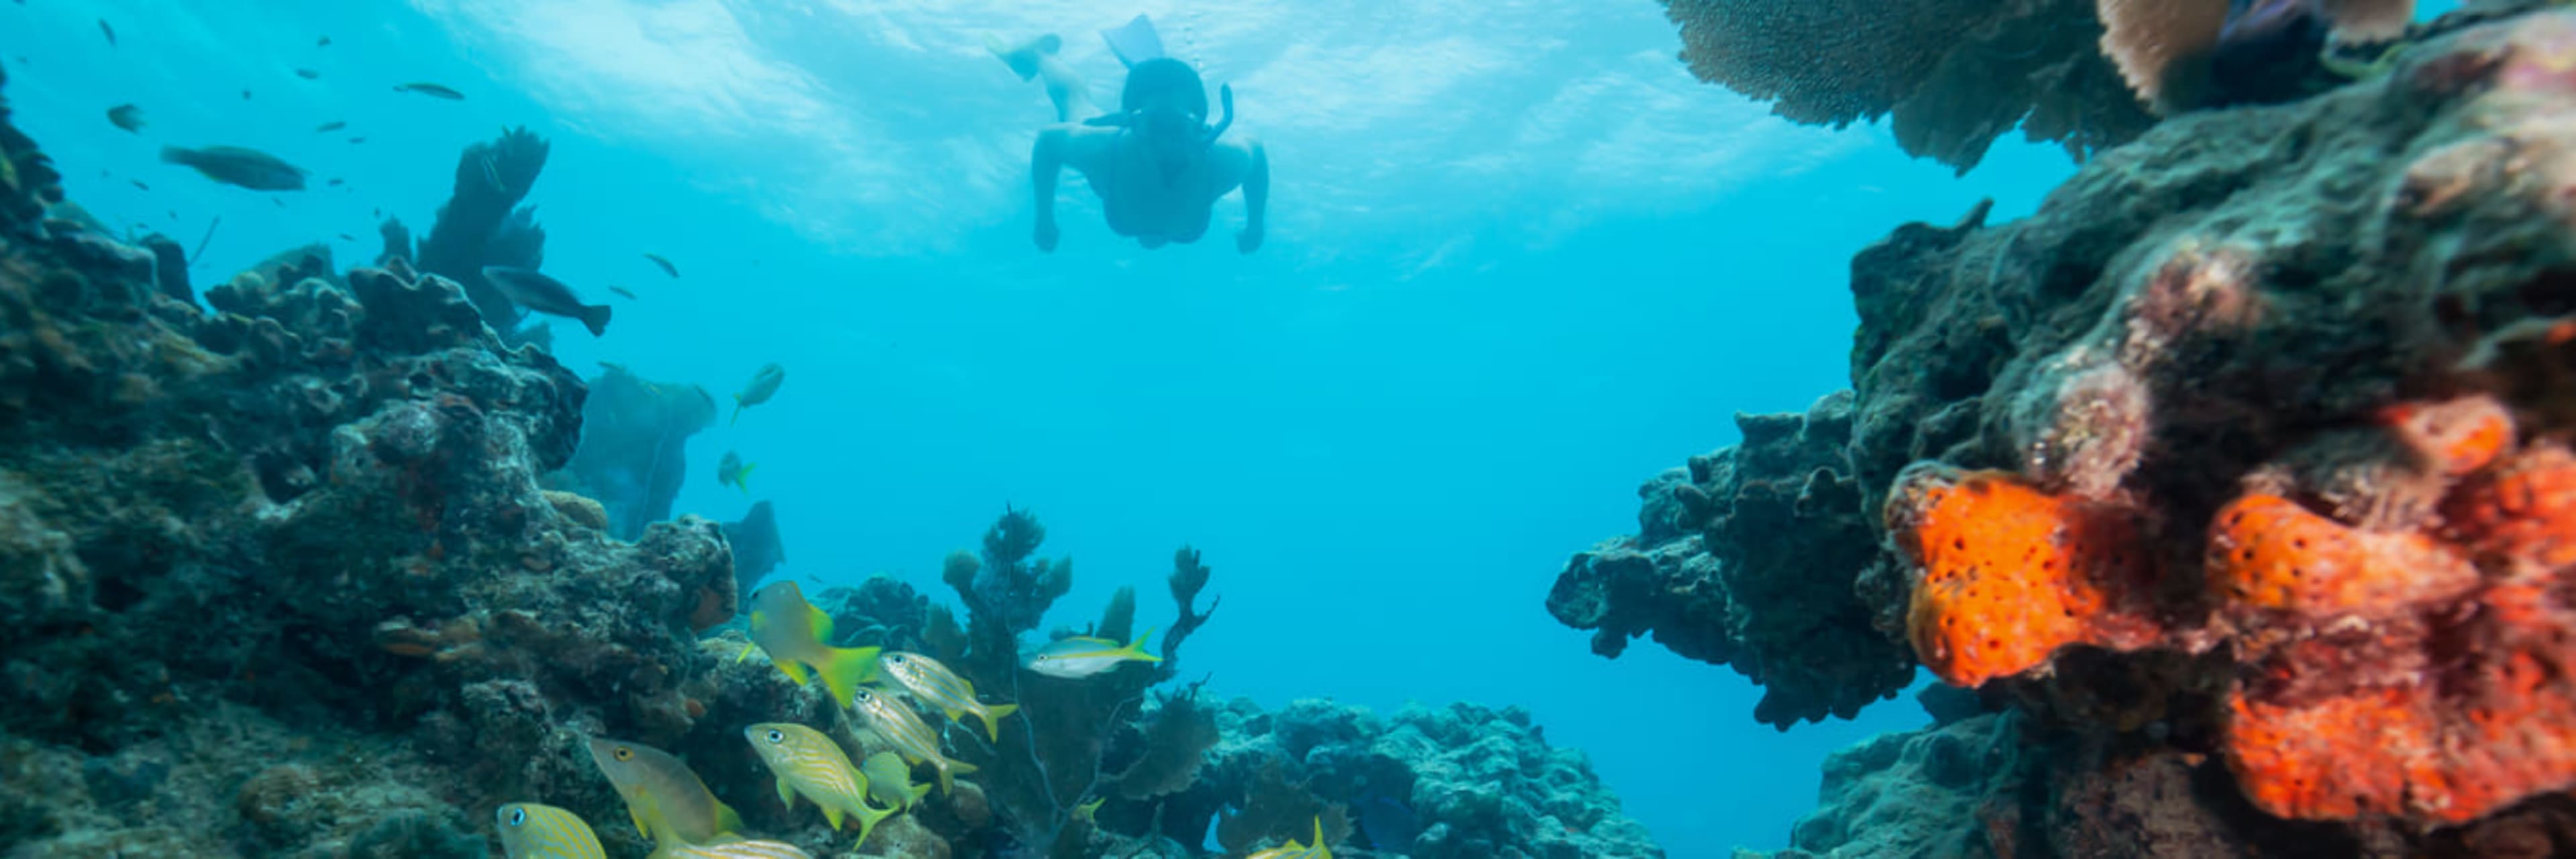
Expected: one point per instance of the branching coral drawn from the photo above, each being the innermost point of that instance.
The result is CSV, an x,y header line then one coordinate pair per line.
x,y
481,223
1956,75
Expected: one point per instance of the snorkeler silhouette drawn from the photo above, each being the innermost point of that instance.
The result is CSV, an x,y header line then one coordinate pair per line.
x,y
1156,162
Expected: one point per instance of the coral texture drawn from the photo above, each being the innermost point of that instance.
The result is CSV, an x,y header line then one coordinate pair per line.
x,y
1956,75
634,449
2240,471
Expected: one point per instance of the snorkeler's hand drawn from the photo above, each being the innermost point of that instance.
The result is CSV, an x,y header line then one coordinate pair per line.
x,y
1247,239
1046,236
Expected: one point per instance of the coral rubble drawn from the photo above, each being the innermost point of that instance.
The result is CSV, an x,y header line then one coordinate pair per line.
x,y
2238,476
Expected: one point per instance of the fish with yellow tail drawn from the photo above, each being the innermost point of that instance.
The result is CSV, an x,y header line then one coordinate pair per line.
x,y
792,631
1292,850
890,781
933,684
668,802
1082,656
732,850
532,831
809,764
763,385
895,722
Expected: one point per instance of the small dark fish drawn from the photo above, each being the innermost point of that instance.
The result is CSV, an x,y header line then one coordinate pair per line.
x,y
667,267
376,212
546,295
325,43
622,291
355,140
234,165
280,201
308,74
138,183
328,127
348,238
110,31
335,182
245,95
126,116
174,214
432,90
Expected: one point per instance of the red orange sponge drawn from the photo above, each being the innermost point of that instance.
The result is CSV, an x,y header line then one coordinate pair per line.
x,y
2007,574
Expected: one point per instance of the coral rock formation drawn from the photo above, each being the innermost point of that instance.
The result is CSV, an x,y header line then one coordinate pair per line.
x,y
634,450
2238,474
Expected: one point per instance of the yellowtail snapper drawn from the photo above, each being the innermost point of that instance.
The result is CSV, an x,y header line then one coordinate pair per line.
x,y
1292,850
890,781
1082,656
732,471
667,267
763,385
430,89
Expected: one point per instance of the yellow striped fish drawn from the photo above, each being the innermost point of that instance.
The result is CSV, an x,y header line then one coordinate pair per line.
x,y
670,805
792,631
933,684
809,763
895,722
890,781
1082,656
732,850
532,831
1293,850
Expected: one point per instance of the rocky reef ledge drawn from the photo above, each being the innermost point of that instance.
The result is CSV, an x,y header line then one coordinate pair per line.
x,y
280,580
2237,482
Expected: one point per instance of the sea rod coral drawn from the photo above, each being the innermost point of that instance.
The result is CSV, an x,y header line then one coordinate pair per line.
x,y
2238,477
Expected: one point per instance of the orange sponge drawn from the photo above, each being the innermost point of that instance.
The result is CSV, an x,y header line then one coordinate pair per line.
x,y
2523,511
2006,573
2457,436
2268,553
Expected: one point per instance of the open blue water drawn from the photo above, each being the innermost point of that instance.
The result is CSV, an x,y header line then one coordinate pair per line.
x,y
1518,261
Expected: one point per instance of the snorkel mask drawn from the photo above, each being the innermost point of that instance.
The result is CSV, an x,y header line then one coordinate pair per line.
x,y
1165,101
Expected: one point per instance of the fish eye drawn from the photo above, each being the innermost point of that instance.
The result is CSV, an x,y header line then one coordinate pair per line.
x,y
896,659
625,754
864,696
518,816
777,736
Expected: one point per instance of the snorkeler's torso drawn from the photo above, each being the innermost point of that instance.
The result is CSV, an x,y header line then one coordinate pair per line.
x,y
1143,198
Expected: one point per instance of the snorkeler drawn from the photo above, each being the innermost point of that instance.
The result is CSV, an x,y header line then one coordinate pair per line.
x,y
1156,162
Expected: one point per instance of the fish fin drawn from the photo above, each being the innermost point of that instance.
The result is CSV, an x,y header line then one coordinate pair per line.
x,y
1137,648
638,817
846,669
949,770
832,815
728,824
1318,843
869,816
786,794
595,318
993,714
820,622
795,670
737,411
1135,41
917,790
742,479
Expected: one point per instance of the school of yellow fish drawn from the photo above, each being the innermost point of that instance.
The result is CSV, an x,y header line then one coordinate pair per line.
x,y
670,805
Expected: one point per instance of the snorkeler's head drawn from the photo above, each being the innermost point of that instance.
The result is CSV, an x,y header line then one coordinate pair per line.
x,y
1165,85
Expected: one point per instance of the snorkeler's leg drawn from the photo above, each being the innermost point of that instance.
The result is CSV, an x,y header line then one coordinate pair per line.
x,y
1036,59
1046,159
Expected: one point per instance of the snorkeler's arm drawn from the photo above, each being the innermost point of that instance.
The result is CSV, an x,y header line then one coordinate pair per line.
x,y
1045,161
1256,199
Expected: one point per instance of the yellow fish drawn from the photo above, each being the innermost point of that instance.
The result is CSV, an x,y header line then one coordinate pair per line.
x,y
933,684
532,831
809,763
732,850
890,781
1081,656
792,631
895,722
670,805
1293,850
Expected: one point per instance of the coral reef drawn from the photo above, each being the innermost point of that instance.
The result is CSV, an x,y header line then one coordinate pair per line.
x,y
1955,75
2238,476
1749,558
633,456
482,224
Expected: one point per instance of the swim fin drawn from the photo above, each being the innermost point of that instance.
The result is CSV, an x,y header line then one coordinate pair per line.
x,y
1023,58
1135,42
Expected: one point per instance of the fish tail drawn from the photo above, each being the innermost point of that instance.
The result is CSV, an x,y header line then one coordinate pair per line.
x,y
737,411
727,822
918,790
869,816
1137,647
595,318
742,479
949,770
846,669
993,714
176,155
1318,843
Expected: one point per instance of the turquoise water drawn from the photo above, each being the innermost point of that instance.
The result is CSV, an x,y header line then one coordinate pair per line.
x,y
1518,261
